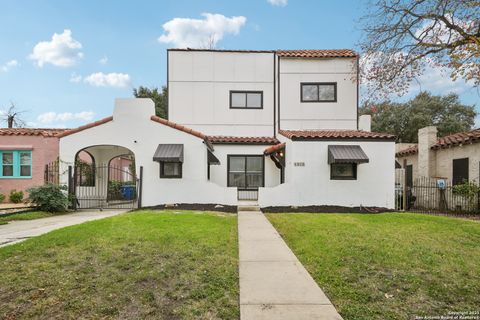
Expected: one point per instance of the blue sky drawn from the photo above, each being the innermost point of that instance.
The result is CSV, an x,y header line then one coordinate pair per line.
x,y
102,49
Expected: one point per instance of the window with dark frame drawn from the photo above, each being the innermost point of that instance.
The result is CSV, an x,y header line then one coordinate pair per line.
x,y
170,169
343,171
409,181
318,92
245,171
460,171
246,99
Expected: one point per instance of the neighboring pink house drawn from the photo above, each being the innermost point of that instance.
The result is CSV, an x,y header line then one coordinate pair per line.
x,y
24,152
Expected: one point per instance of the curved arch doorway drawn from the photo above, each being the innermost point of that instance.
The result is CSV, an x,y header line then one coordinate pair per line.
x,y
105,178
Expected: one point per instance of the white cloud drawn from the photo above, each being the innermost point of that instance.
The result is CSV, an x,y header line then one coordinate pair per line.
x,y
197,33
75,78
9,65
61,51
103,60
280,3
51,117
437,80
100,79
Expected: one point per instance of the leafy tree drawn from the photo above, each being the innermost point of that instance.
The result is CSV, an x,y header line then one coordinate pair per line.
x,y
447,113
159,98
403,37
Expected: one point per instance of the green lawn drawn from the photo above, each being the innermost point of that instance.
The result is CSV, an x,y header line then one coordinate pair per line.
x,y
31,215
388,266
140,265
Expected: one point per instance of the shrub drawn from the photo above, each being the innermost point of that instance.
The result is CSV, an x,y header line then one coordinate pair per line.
x,y
2,197
49,197
16,196
468,190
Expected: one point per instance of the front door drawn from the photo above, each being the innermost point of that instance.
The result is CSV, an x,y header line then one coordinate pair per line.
x,y
246,171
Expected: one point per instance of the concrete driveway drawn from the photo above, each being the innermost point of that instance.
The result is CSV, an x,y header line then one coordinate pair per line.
x,y
17,231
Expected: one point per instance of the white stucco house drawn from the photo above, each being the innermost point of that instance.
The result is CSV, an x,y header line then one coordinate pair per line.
x,y
278,127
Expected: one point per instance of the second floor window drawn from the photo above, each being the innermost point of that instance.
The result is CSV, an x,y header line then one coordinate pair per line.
x,y
318,92
246,99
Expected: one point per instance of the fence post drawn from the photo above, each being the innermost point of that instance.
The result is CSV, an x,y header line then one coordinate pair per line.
x,y
140,185
71,188
45,175
404,191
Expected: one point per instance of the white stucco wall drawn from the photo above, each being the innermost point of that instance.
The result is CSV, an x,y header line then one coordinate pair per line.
x,y
311,184
132,128
199,84
295,114
445,157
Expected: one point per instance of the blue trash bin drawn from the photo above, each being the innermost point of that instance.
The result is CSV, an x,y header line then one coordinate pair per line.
x,y
128,192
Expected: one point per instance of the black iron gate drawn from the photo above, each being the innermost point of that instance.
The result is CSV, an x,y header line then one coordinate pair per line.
x,y
105,187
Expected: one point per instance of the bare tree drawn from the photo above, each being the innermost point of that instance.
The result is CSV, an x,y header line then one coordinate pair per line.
x,y
403,37
13,117
210,42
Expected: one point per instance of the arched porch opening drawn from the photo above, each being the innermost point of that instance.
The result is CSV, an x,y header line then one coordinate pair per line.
x,y
104,177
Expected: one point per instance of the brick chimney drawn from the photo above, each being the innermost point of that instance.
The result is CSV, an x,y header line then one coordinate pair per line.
x,y
426,157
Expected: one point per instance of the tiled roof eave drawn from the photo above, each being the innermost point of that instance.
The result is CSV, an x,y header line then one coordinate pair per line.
x,y
335,135
219,140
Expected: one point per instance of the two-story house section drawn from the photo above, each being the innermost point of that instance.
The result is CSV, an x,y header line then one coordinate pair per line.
x,y
317,89
256,93
276,126
222,92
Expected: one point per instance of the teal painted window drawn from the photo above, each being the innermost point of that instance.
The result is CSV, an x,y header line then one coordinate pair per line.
x,y
15,164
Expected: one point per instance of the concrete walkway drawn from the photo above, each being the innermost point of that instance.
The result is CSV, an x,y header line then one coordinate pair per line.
x,y
17,231
273,283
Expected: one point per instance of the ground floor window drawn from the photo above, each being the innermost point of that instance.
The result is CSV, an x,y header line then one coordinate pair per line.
x,y
170,169
460,171
246,171
343,171
409,175
15,164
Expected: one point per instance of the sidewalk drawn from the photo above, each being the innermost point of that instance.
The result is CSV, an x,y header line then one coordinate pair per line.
x,y
273,283
17,231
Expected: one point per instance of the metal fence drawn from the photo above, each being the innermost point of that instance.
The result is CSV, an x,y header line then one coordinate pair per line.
x,y
247,194
105,187
435,195
52,172
440,196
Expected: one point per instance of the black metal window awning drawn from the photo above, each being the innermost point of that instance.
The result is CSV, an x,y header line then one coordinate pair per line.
x,y
346,154
169,153
212,160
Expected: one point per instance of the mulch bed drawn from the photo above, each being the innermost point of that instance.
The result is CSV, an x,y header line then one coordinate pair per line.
x,y
194,206
325,209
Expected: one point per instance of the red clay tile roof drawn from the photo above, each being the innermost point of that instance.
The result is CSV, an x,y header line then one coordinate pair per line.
x,y
242,140
45,132
334,135
178,127
408,151
447,141
153,118
457,139
333,53
84,127
274,148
